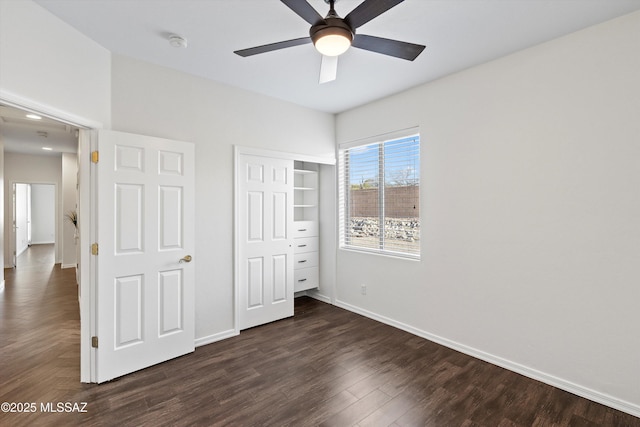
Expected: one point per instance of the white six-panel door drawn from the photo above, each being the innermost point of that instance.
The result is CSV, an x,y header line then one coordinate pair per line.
x,y
145,280
265,221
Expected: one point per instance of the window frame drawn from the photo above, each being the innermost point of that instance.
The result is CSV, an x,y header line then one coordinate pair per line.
x,y
344,200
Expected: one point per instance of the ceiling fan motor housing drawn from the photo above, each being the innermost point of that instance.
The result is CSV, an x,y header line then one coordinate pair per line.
x,y
331,26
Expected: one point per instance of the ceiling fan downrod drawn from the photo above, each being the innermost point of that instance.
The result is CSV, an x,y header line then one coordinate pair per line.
x,y
332,10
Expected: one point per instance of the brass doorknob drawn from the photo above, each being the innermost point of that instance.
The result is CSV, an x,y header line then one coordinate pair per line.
x,y
187,258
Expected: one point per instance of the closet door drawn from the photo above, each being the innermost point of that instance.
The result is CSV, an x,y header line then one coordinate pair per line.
x,y
265,248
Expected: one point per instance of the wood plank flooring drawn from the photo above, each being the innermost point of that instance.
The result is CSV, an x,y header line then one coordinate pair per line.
x,y
323,367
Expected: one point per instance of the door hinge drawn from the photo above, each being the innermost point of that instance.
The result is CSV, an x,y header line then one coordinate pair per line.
x,y
94,342
95,156
94,249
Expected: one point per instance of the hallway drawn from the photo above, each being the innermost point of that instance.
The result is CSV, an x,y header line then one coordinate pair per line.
x,y
39,331
36,257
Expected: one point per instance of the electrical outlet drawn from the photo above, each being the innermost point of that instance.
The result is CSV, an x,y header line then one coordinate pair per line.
x,y
363,289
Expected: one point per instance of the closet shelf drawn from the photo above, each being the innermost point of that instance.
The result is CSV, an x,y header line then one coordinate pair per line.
x,y
304,171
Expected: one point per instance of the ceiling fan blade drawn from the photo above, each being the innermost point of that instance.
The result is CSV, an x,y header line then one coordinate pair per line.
x,y
272,46
328,69
303,9
403,50
367,10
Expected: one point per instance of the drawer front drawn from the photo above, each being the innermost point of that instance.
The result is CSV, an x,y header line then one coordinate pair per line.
x,y
305,229
307,244
305,260
306,278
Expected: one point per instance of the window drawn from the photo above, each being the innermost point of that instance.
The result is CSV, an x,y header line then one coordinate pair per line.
x,y
380,196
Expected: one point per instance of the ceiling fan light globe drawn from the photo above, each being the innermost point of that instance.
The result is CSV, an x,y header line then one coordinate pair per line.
x,y
332,44
331,37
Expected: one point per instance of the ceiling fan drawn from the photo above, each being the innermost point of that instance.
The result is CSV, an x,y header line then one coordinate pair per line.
x,y
333,35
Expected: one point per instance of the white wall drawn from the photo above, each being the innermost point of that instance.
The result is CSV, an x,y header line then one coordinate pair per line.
x,y
69,204
530,213
49,66
156,101
43,213
29,169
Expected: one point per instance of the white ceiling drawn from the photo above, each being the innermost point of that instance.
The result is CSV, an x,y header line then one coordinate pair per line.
x,y
28,136
458,34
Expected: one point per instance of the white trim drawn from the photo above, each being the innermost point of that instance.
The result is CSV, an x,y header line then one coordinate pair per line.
x,y
2,285
236,244
67,266
587,393
325,160
210,339
17,101
379,252
86,235
402,133
315,294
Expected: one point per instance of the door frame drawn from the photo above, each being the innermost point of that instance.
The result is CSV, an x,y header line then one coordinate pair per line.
x,y
85,194
239,150
87,232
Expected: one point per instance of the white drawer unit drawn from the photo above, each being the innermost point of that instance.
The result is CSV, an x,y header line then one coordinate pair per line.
x,y
306,278
306,273
305,229
306,244
305,260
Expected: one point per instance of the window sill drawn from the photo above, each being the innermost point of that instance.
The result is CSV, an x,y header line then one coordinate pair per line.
x,y
386,254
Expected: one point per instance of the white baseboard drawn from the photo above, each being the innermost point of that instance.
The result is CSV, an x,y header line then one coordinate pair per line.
x,y
67,266
2,286
317,295
215,337
552,380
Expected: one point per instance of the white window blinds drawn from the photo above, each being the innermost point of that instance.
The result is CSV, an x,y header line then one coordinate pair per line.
x,y
380,196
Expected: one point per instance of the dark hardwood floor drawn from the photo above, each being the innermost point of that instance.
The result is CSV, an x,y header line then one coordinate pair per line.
x,y
325,366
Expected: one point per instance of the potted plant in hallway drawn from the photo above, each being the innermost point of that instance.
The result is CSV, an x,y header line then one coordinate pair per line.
x,y
72,217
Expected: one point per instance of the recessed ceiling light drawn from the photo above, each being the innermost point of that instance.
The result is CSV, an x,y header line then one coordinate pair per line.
x,y
34,116
47,148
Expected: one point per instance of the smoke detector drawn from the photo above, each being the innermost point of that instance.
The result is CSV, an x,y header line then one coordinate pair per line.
x,y
177,41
